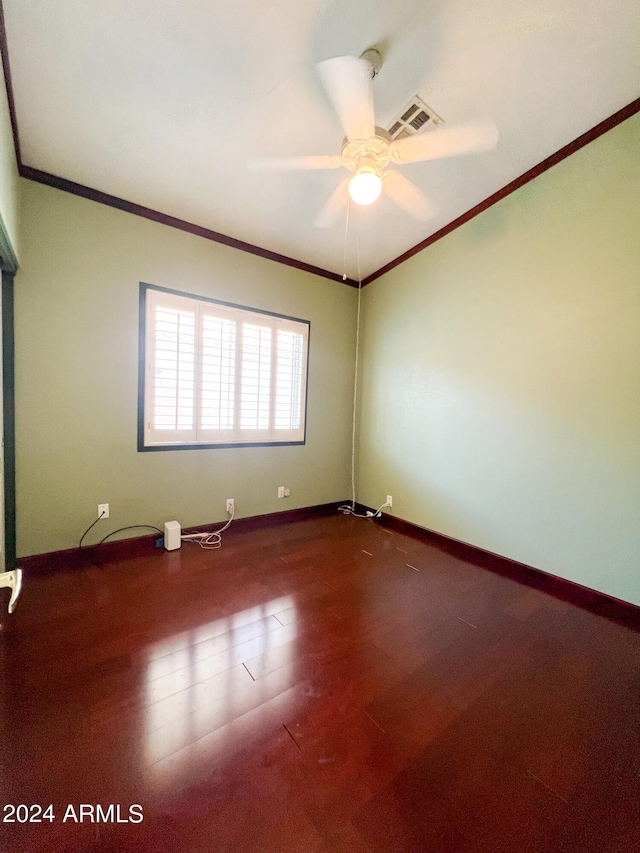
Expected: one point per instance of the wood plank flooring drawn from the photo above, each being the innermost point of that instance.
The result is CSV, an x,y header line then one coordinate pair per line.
x,y
325,686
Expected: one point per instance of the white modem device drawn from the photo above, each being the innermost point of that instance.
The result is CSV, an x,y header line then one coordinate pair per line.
x,y
172,534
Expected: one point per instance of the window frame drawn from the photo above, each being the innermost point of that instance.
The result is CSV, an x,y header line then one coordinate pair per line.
x,y
145,288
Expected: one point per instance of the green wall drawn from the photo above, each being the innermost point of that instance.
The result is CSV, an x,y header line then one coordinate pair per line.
x,y
77,377
500,395
501,375
9,181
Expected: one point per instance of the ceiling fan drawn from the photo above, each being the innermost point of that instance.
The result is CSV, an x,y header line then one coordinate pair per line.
x,y
367,150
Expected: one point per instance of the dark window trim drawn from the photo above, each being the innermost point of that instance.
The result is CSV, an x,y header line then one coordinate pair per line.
x,y
142,315
144,287
156,447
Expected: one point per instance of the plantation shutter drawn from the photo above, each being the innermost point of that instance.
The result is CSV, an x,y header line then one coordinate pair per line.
x,y
217,412
171,359
255,403
289,380
220,374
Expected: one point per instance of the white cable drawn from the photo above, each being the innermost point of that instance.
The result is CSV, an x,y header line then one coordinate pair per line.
x,y
355,379
378,512
349,509
345,508
208,541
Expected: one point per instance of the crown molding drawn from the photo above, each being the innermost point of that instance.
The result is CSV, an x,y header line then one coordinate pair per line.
x,y
560,155
6,67
173,222
66,185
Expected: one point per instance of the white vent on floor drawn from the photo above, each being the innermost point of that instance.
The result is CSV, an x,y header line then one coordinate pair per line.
x,y
414,118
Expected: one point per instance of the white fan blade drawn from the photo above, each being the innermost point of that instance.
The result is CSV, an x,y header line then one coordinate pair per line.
x,y
407,195
337,202
277,164
445,142
347,82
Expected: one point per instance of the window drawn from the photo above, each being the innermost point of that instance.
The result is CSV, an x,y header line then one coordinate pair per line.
x,y
214,374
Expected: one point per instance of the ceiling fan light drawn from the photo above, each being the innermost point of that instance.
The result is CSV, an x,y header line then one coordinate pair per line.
x,y
365,187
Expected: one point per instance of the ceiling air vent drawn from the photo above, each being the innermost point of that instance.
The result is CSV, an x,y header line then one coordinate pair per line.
x,y
414,118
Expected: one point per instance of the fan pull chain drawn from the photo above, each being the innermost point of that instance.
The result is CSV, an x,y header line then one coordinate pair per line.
x,y
346,232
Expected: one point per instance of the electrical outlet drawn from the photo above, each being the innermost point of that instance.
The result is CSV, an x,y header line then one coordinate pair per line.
x,y
103,510
281,491
389,500
230,506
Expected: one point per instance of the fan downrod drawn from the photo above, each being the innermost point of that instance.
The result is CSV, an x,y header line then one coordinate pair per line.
x,y
374,58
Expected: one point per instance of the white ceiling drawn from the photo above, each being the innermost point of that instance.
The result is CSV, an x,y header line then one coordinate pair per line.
x,y
162,102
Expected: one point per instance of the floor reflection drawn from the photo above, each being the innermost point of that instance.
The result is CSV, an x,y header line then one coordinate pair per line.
x,y
197,681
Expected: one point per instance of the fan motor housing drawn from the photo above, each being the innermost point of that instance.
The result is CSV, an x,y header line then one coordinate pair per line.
x,y
375,149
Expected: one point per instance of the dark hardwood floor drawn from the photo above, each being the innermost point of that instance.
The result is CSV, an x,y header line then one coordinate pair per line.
x,y
326,685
